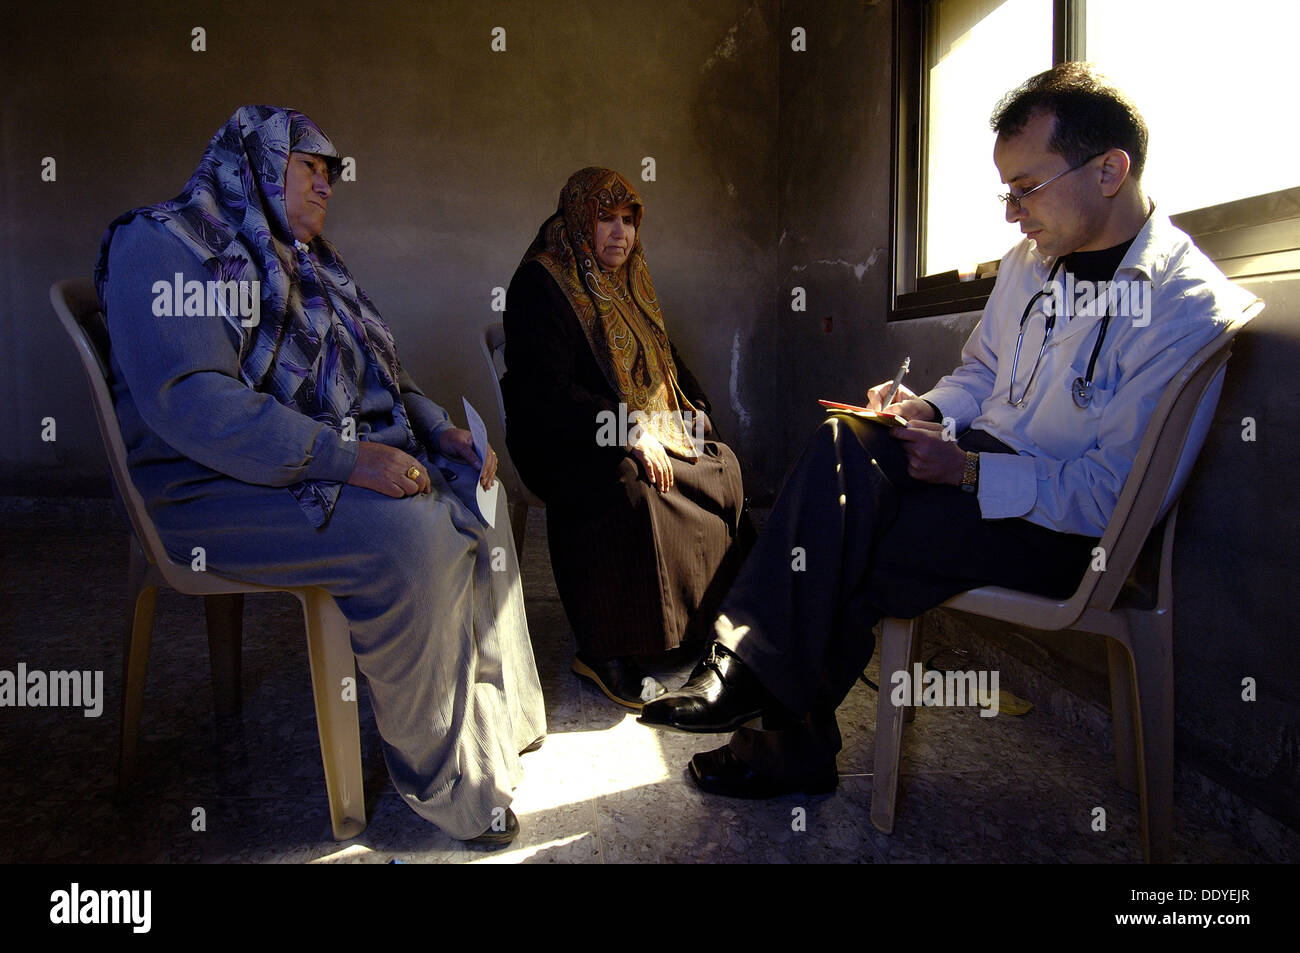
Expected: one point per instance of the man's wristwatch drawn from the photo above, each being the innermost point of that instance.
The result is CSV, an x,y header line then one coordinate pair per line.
x,y
970,476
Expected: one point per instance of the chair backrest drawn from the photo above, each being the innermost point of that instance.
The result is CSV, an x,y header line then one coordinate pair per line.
x,y
77,305
1196,434
1173,438
492,345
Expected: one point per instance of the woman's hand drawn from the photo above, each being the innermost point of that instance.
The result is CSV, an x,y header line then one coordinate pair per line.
x,y
388,470
650,453
458,444
910,407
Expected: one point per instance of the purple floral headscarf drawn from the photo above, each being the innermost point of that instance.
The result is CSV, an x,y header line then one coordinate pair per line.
x,y
231,215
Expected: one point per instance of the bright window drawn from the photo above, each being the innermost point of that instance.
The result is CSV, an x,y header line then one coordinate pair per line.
x,y
1214,79
1216,83
978,49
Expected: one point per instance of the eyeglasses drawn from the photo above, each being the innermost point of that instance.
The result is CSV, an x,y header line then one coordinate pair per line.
x,y
1014,200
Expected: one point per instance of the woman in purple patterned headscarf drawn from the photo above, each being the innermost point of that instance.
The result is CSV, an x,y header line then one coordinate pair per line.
x,y
268,419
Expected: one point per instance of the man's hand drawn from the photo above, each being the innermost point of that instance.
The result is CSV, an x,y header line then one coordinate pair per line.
x,y
458,444
931,458
652,456
909,408
384,469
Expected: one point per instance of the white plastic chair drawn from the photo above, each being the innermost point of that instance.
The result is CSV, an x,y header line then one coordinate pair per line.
x,y
1131,603
492,346
328,641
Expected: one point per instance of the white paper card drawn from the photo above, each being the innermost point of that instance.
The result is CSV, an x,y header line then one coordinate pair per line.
x,y
487,499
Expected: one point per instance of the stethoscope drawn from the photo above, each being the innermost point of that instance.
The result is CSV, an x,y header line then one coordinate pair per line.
x,y
1082,388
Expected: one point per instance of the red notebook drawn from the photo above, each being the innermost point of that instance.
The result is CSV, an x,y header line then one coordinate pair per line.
x,y
886,420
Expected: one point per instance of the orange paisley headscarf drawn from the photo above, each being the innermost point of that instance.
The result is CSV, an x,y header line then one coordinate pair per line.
x,y
618,311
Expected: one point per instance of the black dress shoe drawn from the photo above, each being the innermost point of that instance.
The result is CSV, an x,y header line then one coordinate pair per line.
x,y
721,695
498,838
721,772
536,743
621,679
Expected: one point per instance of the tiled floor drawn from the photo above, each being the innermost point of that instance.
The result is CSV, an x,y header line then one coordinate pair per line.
x,y
601,789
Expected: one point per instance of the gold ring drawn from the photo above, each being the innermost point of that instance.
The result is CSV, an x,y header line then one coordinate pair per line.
x,y
413,473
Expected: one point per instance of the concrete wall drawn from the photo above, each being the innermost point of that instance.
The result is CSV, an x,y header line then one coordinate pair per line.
x,y
834,209
460,155
1236,601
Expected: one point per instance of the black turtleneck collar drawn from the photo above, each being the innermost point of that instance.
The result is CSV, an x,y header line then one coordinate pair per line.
x,y
1099,265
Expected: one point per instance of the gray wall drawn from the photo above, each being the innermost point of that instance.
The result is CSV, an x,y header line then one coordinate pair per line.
x,y
460,154
1236,600
834,209
773,171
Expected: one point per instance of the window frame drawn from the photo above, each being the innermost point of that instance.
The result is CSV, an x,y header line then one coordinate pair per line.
x,y
1251,237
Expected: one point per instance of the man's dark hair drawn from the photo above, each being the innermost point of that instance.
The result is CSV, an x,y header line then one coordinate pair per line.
x,y
1092,115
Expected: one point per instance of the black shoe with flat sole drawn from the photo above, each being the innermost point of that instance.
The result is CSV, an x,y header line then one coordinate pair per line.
x,y
721,772
495,838
721,695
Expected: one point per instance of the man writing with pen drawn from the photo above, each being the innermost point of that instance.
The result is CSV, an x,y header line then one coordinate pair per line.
x,y
1005,473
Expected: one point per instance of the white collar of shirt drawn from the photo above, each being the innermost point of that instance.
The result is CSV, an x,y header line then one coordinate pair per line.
x,y
1149,256
1143,256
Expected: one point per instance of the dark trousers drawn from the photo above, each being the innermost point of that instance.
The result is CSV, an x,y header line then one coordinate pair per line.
x,y
853,539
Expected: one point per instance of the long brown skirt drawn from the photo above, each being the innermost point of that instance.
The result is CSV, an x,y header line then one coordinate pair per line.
x,y
639,571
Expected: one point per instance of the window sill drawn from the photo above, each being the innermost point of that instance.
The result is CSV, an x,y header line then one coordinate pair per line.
x,y
944,299
1251,237
1248,238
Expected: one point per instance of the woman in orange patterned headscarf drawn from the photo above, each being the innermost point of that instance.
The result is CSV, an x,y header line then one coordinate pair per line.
x,y
606,424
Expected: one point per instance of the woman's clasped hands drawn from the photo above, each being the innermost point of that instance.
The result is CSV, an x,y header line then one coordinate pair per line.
x,y
654,460
396,473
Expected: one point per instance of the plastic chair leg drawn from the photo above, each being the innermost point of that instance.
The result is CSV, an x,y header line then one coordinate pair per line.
x,y
1122,724
913,657
225,643
329,647
896,639
1153,657
135,664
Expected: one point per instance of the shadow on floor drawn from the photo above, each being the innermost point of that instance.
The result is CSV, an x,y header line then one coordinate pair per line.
x,y
601,789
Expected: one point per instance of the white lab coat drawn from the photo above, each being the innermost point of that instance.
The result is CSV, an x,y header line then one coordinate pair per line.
x,y
1071,463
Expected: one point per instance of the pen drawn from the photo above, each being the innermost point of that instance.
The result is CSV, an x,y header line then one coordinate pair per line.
x,y
898,381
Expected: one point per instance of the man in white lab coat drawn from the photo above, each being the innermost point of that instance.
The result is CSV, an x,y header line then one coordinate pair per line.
x,y
1093,313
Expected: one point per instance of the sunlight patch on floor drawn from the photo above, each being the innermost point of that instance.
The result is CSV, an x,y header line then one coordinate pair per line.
x,y
577,766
